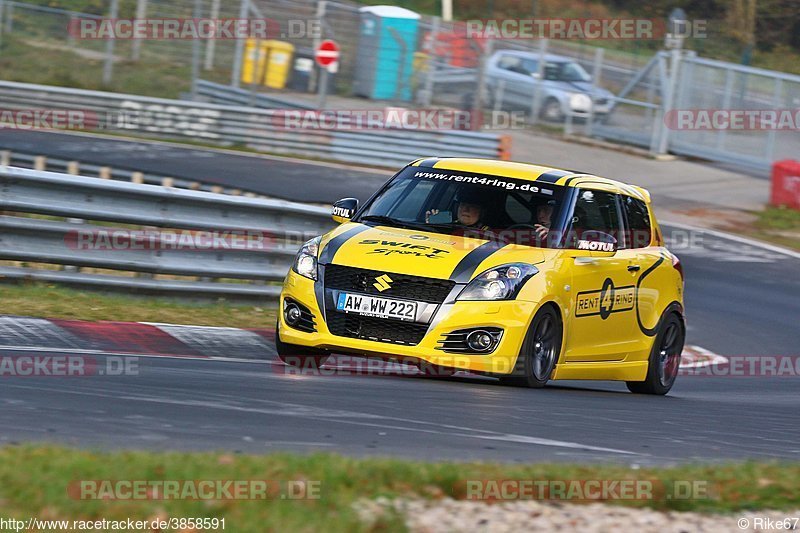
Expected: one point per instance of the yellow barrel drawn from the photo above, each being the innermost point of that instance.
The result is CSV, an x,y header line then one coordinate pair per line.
x,y
279,64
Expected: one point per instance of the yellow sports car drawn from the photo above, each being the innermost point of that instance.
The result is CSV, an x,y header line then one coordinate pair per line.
x,y
513,270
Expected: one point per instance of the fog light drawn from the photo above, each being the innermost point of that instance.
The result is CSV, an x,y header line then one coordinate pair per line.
x,y
480,341
292,314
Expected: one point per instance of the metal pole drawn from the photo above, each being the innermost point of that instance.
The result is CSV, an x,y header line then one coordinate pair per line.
x,y
427,93
198,12
597,71
136,45
322,7
108,67
211,45
9,18
476,120
537,90
323,88
2,12
675,62
244,10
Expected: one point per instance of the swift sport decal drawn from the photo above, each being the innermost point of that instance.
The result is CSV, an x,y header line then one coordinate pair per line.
x,y
403,248
602,303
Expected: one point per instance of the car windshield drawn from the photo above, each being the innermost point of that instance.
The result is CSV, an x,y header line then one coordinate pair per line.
x,y
566,71
461,203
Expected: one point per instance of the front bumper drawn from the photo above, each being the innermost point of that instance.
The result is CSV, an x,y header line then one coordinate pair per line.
x,y
512,316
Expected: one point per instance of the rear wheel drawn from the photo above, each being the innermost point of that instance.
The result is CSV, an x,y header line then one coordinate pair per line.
x,y
540,351
299,356
665,359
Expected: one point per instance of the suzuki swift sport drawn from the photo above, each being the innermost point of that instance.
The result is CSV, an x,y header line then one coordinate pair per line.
x,y
512,270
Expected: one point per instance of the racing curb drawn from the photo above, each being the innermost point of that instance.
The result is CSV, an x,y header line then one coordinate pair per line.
x,y
28,334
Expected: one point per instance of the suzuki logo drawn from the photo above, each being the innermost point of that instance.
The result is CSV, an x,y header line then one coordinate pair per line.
x,y
382,282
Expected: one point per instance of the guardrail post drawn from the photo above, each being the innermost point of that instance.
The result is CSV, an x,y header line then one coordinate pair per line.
x,y
105,173
5,158
40,162
73,168
167,182
137,177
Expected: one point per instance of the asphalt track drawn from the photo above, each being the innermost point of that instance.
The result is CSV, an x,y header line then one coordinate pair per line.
x,y
742,300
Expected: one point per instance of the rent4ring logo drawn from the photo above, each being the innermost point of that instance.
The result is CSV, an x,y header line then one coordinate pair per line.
x,y
607,300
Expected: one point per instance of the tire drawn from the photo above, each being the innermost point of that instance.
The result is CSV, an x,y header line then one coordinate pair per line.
x,y
665,358
299,356
540,351
551,110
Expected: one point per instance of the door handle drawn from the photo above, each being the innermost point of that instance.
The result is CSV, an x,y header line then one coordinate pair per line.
x,y
634,268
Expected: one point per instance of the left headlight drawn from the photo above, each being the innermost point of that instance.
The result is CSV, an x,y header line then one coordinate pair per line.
x,y
499,283
580,102
305,262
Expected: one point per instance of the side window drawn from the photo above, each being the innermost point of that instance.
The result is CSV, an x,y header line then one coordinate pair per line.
x,y
595,211
638,217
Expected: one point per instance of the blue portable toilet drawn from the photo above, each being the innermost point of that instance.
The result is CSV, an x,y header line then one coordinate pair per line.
x,y
385,56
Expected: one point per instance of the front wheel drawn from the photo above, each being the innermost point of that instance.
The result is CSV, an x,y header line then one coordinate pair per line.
x,y
540,351
665,359
299,356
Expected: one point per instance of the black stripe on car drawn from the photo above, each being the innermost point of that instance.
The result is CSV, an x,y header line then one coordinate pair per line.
x,y
334,244
466,267
554,176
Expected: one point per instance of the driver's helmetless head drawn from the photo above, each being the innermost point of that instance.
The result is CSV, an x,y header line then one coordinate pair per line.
x,y
544,214
469,214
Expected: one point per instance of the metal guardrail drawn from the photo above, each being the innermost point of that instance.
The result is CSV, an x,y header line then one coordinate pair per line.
x,y
260,129
271,232
217,93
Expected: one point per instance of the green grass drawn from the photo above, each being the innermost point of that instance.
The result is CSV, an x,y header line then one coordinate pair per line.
x,y
19,61
780,225
34,482
52,301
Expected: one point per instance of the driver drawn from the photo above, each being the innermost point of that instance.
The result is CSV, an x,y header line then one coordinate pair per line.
x,y
544,219
470,210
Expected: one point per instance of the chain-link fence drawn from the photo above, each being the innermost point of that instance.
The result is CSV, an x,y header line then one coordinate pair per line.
x,y
393,57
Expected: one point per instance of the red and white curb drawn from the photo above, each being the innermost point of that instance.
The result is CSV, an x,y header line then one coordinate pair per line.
x,y
29,334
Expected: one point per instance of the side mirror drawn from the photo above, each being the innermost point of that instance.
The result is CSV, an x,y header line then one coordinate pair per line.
x,y
602,244
344,209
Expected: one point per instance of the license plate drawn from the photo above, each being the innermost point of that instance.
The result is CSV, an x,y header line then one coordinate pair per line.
x,y
376,307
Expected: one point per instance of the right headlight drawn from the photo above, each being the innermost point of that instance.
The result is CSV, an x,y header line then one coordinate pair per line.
x,y
305,262
499,283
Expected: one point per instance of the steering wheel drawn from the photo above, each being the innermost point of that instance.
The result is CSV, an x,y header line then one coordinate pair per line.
x,y
522,226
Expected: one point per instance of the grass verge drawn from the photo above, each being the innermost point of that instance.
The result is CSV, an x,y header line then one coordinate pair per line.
x,y
51,301
35,482
780,225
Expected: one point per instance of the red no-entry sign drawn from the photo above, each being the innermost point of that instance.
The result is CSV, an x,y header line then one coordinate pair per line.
x,y
327,53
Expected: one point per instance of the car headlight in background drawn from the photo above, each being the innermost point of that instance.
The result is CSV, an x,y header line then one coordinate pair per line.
x,y
500,283
580,102
305,263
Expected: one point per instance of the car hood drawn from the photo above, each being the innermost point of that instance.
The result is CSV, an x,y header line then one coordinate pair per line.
x,y
420,253
586,87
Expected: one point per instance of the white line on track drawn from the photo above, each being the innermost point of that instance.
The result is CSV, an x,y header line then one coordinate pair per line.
x,y
736,238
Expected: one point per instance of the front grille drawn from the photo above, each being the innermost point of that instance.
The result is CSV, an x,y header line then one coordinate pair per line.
x,y
601,101
403,286
376,329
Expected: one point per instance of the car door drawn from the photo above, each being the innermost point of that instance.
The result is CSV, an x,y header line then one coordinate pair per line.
x,y
644,258
601,316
